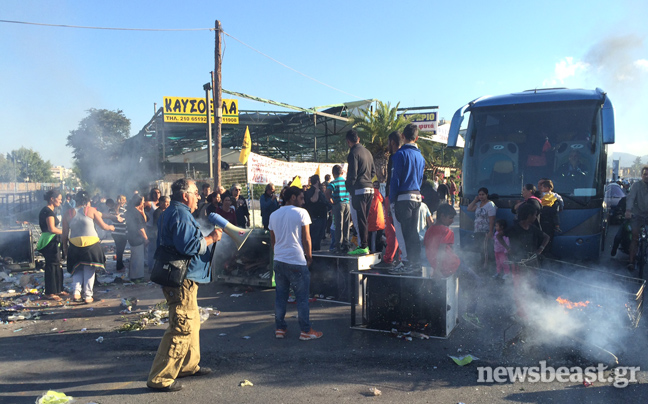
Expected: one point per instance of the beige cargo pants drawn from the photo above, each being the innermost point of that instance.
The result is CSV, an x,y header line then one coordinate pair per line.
x,y
179,350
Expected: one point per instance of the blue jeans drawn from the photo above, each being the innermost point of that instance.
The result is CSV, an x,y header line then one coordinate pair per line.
x,y
297,276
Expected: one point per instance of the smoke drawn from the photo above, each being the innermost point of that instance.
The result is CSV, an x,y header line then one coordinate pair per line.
x,y
605,314
615,61
614,64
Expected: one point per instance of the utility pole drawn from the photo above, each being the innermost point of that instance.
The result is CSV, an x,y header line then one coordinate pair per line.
x,y
218,102
210,155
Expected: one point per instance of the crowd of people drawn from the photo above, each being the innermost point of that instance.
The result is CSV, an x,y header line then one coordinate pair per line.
x,y
72,230
397,222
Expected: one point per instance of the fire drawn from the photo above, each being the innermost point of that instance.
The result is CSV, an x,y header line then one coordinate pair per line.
x,y
571,305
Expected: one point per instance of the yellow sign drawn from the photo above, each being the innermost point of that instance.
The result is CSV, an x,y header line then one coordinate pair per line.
x,y
193,110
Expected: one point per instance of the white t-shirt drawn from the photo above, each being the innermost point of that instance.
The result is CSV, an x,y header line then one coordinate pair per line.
x,y
286,223
482,215
422,226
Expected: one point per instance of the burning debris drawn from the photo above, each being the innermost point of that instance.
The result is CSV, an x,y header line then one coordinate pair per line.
x,y
571,305
582,313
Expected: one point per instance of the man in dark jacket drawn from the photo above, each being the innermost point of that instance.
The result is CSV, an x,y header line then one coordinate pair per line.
x,y
315,205
241,206
360,172
269,204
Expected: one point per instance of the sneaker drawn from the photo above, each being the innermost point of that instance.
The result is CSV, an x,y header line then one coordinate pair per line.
x,y
506,276
359,251
312,334
280,334
497,275
383,265
175,386
401,269
472,319
414,268
203,371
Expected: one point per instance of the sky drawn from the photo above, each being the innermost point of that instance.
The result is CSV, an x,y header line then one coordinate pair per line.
x,y
416,53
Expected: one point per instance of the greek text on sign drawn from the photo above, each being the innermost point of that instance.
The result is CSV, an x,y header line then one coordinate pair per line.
x,y
426,122
192,110
423,117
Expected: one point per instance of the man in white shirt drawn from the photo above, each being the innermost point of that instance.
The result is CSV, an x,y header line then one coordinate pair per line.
x,y
290,239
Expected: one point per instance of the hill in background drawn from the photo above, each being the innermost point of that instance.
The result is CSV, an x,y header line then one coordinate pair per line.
x,y
626,159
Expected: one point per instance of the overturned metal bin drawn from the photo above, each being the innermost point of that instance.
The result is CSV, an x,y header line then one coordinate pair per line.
x,y
16,249
249,265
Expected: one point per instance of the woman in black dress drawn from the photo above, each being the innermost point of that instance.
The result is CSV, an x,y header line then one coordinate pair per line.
x,y
48,245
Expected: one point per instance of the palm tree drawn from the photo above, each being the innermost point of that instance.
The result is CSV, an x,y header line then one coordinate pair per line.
x,y
374,128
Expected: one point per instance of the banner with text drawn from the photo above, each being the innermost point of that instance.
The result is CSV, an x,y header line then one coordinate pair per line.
x,y
192,110
426,121
263,170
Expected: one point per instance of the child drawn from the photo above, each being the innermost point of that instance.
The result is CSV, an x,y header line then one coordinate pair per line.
x,y
438,243
376,220
525,240
552,203
500,251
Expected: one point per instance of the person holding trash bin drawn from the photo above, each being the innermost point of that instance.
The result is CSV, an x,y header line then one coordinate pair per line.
x,y
84,252
179,352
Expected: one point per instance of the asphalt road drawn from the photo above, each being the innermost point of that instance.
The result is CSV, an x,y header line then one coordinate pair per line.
x,y
52,353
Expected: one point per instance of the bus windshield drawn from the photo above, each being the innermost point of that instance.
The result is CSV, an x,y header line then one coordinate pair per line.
x,y
508,146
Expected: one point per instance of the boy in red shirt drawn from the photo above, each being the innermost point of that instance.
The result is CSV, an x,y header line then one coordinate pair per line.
x,y
438,242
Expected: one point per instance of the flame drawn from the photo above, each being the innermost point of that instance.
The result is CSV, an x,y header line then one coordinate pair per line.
x,y
571,305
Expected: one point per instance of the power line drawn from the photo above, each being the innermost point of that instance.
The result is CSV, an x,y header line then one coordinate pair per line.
x,y
107,28
294,70
184,29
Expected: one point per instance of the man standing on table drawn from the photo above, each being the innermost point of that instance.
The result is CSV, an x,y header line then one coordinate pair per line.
x,y
360,172
405,196
179,352
291,243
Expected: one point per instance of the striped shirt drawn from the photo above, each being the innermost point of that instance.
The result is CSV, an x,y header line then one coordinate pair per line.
x,y
120,228
338,190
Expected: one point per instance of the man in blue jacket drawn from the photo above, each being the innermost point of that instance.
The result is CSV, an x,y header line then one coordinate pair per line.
x,y
179,352
405,196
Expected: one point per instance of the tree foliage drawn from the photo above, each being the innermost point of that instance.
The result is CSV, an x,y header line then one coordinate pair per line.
x,y
97,144
25,165
636,166
374,128
6,173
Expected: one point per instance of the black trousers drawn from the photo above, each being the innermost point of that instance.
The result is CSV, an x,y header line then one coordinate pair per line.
x,y
120,245
362,203
53,270
407,213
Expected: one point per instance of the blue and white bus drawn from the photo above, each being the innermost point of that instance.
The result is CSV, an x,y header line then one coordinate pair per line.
x,y
519,138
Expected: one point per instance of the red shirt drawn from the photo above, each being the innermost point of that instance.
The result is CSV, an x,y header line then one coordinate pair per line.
x,y
230,216
438,243
376,218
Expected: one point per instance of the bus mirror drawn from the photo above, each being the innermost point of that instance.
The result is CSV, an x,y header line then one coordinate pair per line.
x,y
607,118
455,125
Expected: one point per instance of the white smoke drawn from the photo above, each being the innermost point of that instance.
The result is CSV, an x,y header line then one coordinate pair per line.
x,y
604,322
